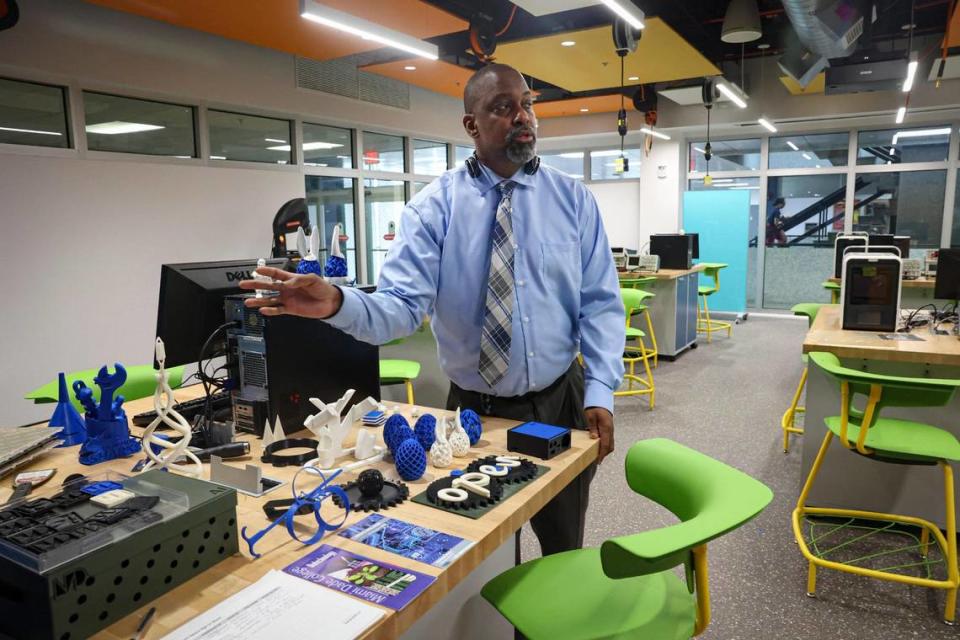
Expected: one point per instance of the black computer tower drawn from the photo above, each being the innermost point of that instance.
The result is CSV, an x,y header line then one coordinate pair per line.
x,y
279,363
675,250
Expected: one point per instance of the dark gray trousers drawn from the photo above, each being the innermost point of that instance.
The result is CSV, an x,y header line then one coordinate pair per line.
x,y
559,524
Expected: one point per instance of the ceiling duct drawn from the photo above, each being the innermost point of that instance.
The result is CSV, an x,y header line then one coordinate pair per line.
x,y
825,29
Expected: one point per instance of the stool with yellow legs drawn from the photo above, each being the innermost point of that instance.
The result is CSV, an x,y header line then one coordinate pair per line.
x,y
893,441
704,323
834,289
393,371
788,422
643,309
634,353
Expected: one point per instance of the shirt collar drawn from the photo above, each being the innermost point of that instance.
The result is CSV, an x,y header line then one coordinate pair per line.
x,y
488,179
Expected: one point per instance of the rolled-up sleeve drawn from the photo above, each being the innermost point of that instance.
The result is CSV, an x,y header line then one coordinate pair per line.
x,y
406,290
602,323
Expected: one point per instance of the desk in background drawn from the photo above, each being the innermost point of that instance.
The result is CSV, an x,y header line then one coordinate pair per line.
x,y
857,482
450,607
674,309
913,293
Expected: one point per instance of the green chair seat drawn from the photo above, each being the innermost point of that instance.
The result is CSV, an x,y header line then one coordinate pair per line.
x,y
808,310
706,290
141,382
903,439
827,284
633,334
567,595
394,371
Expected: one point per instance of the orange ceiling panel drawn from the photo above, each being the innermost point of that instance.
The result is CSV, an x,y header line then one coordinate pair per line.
x,y
434,75
276,24
573,106
954,29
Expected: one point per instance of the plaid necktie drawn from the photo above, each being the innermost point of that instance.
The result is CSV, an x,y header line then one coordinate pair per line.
x,y
498,319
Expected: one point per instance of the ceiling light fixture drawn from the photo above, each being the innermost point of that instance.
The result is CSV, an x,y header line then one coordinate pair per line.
x,y
655,134
901,114
806,156
584,109
741,23
316,12
117,127
911,73
728,91
628,11
409,67
277,140
699,149
218,157
766,124
572,154
919,133
567,43
606,153
792,146
307,146
42,133
634,78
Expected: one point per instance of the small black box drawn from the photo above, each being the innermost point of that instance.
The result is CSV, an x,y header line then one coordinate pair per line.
x,y
675,250
539,440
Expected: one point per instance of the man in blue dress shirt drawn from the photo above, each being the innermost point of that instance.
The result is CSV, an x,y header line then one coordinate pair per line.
x,y
512,264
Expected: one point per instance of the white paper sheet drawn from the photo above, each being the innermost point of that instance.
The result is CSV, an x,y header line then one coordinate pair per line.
x,y
280,605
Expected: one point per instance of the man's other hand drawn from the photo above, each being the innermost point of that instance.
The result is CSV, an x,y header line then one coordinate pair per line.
x,y
600,424
306,295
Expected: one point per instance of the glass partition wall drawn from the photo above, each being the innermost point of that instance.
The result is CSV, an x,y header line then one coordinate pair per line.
x,y
811,187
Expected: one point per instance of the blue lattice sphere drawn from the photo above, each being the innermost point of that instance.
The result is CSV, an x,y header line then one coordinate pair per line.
x,y
426,431
411,460
395,431
336,267
471,424
309,266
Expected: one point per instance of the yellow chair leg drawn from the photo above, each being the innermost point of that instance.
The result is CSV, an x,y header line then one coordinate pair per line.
x,y
653,340
646,367
924,542
706,314
409,385
950,610
812,581
787,422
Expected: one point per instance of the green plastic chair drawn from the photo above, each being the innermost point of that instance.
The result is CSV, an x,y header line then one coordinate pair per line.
x,y
400,372
635,352
633,283
704,291
890,440
626,588
141,382
788,421
834,289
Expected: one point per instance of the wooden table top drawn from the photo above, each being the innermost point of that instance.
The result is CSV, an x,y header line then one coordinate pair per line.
x,y
826,335
278,549
918,283
663,274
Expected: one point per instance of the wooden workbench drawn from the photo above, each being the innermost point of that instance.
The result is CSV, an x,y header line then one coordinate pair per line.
x,y
826,335
916,283
662,274
850,481
673,309
279,550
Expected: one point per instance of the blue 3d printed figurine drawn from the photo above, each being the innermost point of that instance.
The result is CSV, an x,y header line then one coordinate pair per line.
x,y
309,263
108,435
335,269
66,417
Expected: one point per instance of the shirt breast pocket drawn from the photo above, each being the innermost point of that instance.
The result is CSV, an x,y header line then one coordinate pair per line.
x,y
561,266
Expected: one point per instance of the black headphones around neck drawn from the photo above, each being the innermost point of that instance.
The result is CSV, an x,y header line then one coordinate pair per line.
x,y
473,166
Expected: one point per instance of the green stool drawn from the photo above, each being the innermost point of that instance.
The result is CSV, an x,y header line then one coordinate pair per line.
x,y
884,440
635,283
627,588
403,372
834,289
704,323
644,309
141,382
787,423
634,353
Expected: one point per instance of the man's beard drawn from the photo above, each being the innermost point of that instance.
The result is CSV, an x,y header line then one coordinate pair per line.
x,y
521,152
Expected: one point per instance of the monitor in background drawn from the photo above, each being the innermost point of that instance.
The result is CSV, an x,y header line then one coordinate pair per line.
x,y
885,239
618,251
696,245
902,243
948,275
191,303
633,263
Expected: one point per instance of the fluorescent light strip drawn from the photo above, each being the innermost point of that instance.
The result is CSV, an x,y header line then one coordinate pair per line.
x,y
218,157
806,156
572,154
699,149
307,146
606,153
275,140
628,11
731,95
38,132
920,133
118,127
792,146
766,124
367,30
901,114
655,134
911,74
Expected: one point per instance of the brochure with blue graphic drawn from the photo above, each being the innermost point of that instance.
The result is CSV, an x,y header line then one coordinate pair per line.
x,y
408,540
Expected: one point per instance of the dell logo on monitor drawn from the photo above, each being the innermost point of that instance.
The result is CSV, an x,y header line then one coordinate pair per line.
x,y
237,276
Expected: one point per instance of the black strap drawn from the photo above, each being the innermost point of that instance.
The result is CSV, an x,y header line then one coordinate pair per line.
x,y
270,453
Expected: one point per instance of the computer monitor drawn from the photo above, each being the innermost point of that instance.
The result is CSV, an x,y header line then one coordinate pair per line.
x,y
840,247
881,239
902,243
696,245
633,263
190,307
948,275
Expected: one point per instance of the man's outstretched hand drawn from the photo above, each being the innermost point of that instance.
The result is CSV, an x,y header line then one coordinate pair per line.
x,y
600,424
306,295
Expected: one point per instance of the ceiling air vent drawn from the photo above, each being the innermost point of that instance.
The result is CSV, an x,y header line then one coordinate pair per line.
x,y
341,77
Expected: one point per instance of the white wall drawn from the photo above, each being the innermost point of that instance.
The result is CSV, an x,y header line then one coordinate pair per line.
x,y
82,236
619,204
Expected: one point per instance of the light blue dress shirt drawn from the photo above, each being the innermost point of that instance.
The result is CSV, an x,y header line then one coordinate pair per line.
x,y
567,292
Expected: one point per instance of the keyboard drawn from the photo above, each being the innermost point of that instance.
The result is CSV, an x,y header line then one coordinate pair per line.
x,y
21,444
188,408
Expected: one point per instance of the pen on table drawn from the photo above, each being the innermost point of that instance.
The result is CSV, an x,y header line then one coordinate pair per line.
x,y
144,624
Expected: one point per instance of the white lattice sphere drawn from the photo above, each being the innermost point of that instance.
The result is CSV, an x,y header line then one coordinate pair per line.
x,y
441,455
459,442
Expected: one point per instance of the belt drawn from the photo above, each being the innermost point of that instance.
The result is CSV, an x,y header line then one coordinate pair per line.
x,y
487,400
